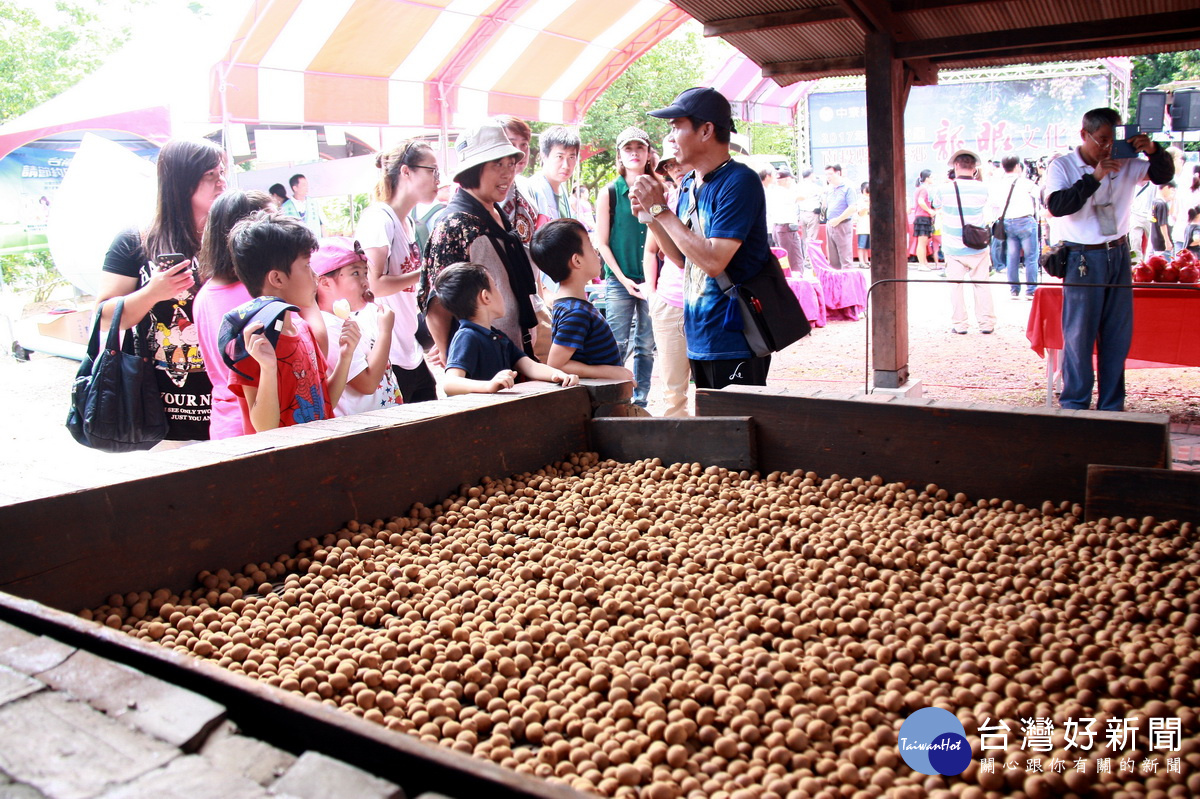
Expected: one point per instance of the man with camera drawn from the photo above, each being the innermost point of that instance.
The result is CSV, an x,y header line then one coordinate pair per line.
x,y
1091,192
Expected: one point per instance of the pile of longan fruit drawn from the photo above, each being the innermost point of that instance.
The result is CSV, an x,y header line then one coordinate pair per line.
x,y
662,631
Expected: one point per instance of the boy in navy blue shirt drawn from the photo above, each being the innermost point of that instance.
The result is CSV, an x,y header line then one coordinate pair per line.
x,y
582,343
481,359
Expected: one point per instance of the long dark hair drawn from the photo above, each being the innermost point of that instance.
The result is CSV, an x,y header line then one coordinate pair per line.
x,y
389,163
924,176
230,208
1196,178
181,165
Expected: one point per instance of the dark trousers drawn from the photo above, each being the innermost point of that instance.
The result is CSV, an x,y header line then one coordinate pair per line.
x,y
736,371
416,385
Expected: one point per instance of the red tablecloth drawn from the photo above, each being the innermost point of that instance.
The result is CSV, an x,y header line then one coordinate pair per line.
x,y
811,297
1166,325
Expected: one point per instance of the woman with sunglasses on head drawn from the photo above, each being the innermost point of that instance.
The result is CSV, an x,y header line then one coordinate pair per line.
x,y
409,175
474,228
159,292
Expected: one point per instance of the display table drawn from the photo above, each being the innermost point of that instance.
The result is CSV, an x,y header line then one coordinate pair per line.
x,y
811,295
1166,329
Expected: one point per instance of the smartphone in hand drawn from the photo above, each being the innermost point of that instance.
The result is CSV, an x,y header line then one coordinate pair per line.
x,y
169,259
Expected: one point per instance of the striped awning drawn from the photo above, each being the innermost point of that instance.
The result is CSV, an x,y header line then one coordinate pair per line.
x,y
753,97
430,63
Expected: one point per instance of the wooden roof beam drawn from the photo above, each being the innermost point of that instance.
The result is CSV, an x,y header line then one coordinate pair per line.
x,y
786,19
909,6
873,16
921,72
804,68
1110,34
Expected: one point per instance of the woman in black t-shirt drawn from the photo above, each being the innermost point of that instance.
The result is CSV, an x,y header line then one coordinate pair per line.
x,y
191,175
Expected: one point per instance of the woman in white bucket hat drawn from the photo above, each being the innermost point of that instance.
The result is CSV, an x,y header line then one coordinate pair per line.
x,y
474,228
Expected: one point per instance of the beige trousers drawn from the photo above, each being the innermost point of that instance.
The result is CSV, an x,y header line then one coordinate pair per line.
x,y
667,323
971,267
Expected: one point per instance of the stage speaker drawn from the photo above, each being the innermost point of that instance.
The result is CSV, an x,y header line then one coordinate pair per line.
x,y
1185,110
1151,111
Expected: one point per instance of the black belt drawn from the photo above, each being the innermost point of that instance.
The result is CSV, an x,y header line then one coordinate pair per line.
x,y
1108,245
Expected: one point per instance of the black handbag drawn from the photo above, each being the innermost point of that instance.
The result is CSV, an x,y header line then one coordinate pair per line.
x,y
768,313
1054,260
998,232
974,237
115,402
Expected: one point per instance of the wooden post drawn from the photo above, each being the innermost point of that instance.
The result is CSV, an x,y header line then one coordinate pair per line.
x,y
887,94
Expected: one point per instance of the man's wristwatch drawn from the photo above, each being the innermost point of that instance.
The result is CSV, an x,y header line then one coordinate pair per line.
x,y
656,209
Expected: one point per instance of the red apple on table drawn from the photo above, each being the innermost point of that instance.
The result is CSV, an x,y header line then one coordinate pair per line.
x,y
1143,273
1185,256
1189,273
1170,274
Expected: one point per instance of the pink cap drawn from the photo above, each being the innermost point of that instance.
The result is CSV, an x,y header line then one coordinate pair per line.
x,y
334,253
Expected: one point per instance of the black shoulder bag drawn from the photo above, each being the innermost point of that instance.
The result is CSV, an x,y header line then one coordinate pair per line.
x,y
115,402
763,307
998,226
974,237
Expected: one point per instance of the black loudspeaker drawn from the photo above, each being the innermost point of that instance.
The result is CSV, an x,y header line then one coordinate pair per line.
x,y
1185,110
1152,108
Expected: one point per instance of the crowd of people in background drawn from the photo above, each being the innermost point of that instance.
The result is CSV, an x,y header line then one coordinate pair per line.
x,y
255,317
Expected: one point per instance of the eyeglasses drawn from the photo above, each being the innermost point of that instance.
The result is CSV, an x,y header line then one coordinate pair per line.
x,y
437,173
1100,144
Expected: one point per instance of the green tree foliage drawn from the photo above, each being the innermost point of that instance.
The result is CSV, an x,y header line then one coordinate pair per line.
x,y
675,64
768,139
1160,68
31,271
43,53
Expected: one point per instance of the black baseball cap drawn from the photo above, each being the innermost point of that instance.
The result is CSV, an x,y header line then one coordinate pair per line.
x,y
267,310
703,103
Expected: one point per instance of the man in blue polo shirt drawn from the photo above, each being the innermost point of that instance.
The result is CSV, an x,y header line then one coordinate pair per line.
x,y
721,228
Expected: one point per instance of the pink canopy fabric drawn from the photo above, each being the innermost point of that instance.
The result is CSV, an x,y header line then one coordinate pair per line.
x,y
430,63
755,98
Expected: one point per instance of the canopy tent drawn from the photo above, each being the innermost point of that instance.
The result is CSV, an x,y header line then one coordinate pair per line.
x,y
430,63
150,90
753,97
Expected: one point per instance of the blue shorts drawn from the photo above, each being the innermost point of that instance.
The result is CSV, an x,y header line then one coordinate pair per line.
x,y
864,241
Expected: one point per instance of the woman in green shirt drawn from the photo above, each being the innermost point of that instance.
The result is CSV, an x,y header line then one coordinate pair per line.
x,y
622,241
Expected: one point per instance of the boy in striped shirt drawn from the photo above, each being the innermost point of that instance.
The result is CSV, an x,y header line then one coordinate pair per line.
x,y
582,343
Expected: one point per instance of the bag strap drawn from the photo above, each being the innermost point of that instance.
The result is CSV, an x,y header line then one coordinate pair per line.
x,y
958,197
114,327
93,348
1006,202
693,223
612,206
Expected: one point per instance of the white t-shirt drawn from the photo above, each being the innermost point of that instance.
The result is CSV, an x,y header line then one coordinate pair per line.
x,y
379,227
1083,226
1021,204
781,205
387,392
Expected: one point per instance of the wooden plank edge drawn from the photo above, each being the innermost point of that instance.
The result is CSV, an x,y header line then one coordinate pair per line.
x,y
1139,492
